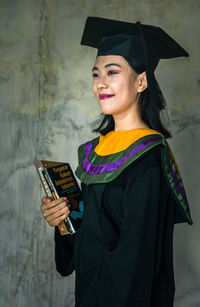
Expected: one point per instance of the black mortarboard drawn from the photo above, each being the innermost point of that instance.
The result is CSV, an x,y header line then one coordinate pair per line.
x,y
144,44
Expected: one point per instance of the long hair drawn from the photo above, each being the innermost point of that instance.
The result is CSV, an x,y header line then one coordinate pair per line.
x,y
150,111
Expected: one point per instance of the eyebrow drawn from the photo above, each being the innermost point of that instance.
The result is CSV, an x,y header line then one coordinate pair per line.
x,y
107,65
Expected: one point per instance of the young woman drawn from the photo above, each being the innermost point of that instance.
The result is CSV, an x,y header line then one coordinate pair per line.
x,y
132,190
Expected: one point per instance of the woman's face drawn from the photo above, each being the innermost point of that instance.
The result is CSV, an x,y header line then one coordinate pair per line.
x,y
115,84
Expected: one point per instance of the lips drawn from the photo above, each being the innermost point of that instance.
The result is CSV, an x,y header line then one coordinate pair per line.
x,y
105,96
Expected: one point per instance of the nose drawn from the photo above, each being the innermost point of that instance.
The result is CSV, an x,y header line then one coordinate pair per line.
x,y
102,83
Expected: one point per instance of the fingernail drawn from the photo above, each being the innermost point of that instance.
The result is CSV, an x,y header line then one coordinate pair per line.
x,y
65,198
68,212
47,200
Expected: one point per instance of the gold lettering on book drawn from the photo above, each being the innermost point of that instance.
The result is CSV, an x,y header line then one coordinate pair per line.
x,y
60,169
65,174
62,181
66,186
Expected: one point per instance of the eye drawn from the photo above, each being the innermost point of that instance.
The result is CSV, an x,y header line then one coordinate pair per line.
x,y
95,75
113,72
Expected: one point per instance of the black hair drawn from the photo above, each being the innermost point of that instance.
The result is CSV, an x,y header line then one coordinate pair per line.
x,y
150,111
151,115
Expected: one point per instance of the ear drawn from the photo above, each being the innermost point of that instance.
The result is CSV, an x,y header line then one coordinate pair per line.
x,y
142,82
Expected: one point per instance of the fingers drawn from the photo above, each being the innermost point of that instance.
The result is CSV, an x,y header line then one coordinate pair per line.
x,y
55,211
46,199
55,219
49,203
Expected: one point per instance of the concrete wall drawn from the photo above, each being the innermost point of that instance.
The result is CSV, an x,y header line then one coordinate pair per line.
x,y
46,110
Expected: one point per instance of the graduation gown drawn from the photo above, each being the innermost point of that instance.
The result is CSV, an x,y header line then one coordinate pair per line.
x,y
123,251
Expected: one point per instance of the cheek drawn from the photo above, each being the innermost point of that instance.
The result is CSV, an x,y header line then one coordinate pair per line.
x,y
94,88
131,89
116,86
124,89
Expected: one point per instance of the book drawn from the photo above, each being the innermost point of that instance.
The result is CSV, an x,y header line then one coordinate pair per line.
x,y
58,181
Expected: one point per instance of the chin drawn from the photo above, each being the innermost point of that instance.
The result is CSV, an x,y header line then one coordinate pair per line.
x,y
108,110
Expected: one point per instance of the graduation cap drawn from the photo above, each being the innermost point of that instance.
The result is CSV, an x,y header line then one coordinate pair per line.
x,y
142,46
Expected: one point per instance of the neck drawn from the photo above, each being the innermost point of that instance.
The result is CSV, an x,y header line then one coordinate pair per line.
x,y
129,120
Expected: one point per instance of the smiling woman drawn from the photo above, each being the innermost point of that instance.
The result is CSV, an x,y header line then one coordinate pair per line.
x,y
132,190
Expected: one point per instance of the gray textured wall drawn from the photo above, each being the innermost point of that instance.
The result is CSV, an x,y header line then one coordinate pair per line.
x,y
46,109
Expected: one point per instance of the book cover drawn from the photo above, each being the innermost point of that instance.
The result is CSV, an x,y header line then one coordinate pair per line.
x,y
58,181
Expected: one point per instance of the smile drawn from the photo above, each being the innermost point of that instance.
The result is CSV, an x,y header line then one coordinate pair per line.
x,y
105,96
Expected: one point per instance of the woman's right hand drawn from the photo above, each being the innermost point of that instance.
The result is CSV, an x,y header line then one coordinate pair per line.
x,y
55,211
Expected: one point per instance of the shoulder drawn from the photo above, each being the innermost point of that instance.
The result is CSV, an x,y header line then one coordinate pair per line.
x,y
82,149
148,163
149,159
92,142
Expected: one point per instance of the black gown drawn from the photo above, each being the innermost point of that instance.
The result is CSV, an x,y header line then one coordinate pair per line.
x,y
123,251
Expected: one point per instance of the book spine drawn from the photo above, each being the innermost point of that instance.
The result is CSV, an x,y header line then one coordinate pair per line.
x,y
50,184
44,183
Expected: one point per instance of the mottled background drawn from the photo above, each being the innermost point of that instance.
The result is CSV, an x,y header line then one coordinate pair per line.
x,y
46,110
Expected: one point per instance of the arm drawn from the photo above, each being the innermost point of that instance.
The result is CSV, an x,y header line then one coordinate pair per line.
x,y
64,246
127,274
55,212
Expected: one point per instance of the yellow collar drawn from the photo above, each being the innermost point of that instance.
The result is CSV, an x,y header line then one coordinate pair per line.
x,y
116,141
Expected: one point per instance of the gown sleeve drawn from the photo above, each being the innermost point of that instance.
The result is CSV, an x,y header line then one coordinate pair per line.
x,y
64,253
129,272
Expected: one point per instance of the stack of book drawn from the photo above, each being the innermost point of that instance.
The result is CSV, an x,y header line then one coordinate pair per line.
x,y
59,181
